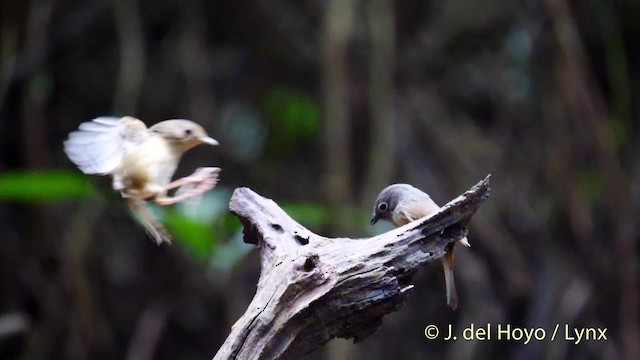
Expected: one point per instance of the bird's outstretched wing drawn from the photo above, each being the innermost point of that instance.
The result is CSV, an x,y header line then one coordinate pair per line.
x,y
99,145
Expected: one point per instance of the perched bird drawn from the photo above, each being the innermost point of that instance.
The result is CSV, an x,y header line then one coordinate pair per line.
x,y
141,161
401,204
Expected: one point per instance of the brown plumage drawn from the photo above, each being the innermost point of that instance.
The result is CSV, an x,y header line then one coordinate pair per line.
x,y
140,160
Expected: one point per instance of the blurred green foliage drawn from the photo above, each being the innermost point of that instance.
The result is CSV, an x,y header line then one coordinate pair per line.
x,y
620,132
308,214
293,114
591,183
316,216
203,227
197,236
42,186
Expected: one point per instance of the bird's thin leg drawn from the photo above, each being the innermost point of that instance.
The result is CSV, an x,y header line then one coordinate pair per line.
x,y
201,181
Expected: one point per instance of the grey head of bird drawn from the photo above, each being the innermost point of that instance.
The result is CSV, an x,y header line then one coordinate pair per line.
x,y
391,196
182,134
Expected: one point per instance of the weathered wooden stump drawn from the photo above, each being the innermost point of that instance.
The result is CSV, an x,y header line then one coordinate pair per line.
x,y
313,288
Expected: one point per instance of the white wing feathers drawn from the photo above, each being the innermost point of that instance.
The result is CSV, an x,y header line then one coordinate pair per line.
x,y
98,146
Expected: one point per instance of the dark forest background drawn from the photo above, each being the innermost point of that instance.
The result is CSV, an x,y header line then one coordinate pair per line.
x,y
319,105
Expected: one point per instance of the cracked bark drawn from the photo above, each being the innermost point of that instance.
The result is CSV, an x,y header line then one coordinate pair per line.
x,y
313,289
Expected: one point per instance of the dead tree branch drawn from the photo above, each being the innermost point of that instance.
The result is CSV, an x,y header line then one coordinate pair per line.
x,y
313,288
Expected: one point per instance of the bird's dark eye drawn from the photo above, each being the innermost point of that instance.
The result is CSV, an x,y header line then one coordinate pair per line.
x,y
382,206
187,132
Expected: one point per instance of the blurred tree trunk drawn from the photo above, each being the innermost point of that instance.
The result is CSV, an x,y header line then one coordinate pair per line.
x,y
338,27
132,57
382,34
587,105
196,63
35,94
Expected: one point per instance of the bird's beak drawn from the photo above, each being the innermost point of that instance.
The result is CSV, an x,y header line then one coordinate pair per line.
x,y
209,140
374,219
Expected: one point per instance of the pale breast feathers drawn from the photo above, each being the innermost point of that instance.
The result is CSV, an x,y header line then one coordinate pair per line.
x,y
99,145
409,210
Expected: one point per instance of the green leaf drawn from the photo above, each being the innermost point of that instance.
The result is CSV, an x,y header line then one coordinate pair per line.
x,y
42,186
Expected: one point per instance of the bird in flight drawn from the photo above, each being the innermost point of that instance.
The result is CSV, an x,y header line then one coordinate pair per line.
x,y
142,162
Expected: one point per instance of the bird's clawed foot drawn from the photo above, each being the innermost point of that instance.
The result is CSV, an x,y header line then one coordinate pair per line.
x,y
194,185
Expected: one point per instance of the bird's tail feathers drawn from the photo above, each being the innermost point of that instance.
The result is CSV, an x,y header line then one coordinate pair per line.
x,y
151,224
450,284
